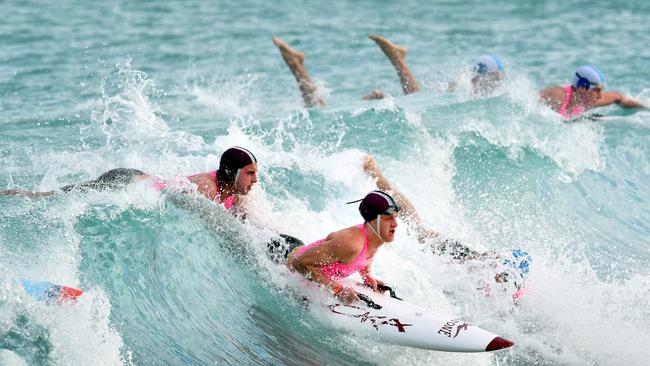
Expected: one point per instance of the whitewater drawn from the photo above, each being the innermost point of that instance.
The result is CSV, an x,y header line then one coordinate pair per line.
x,y
166,87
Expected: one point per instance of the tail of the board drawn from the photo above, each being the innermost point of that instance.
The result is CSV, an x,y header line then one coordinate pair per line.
x,y
49,292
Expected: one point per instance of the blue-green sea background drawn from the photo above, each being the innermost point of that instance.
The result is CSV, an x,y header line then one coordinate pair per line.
x,y
166,86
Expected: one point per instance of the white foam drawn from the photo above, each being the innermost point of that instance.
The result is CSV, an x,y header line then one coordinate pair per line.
x,y
591,316
81,333
129,113
9,358
226,97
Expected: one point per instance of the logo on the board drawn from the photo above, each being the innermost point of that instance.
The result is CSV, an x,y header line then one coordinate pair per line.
x,y
461,327
364,316
449,326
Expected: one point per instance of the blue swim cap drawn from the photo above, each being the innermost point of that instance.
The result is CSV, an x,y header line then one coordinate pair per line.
x,y
488,63
519,262
588,76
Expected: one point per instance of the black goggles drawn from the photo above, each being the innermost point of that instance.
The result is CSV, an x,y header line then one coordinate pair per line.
x,y
392,209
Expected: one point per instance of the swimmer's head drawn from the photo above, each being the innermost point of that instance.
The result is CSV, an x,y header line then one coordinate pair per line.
x,y
487,74
588,82
379,206
238,167
487,64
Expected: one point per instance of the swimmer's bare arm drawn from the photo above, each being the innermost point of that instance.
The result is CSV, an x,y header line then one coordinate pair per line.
x,y
607,98
552,97
21,192
408,210
205,185
424,234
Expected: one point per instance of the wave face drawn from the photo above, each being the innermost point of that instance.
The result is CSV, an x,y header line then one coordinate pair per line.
x,y
174,279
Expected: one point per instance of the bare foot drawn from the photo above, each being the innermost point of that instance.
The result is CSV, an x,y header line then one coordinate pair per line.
x,y
394,52
292,57
375,94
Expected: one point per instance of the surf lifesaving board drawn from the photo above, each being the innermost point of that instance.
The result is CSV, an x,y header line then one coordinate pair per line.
x,y
399,322
49,292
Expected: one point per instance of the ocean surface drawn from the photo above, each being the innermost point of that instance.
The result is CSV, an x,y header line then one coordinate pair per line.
x,y
167,86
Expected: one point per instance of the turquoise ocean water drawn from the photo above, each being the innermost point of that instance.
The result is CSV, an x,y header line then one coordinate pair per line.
x,y
166,86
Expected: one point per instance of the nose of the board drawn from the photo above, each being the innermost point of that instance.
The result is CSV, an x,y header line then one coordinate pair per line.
x,y
498,343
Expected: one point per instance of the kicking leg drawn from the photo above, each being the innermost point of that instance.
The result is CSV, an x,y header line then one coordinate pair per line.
x,y
296,62
112,179
397,56
21,192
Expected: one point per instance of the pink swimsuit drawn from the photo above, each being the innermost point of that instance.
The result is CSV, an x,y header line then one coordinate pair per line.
x,y
160,184
568,93
336,271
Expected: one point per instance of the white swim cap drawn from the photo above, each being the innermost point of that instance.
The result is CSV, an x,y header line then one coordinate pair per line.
x,y
588,76
488,63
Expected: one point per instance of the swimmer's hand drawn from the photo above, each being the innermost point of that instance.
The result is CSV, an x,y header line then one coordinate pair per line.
x,y
347,295
369,166
373,283
425,235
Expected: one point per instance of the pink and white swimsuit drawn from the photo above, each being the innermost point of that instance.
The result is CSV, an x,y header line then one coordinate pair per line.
x,y
337,270
576,111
